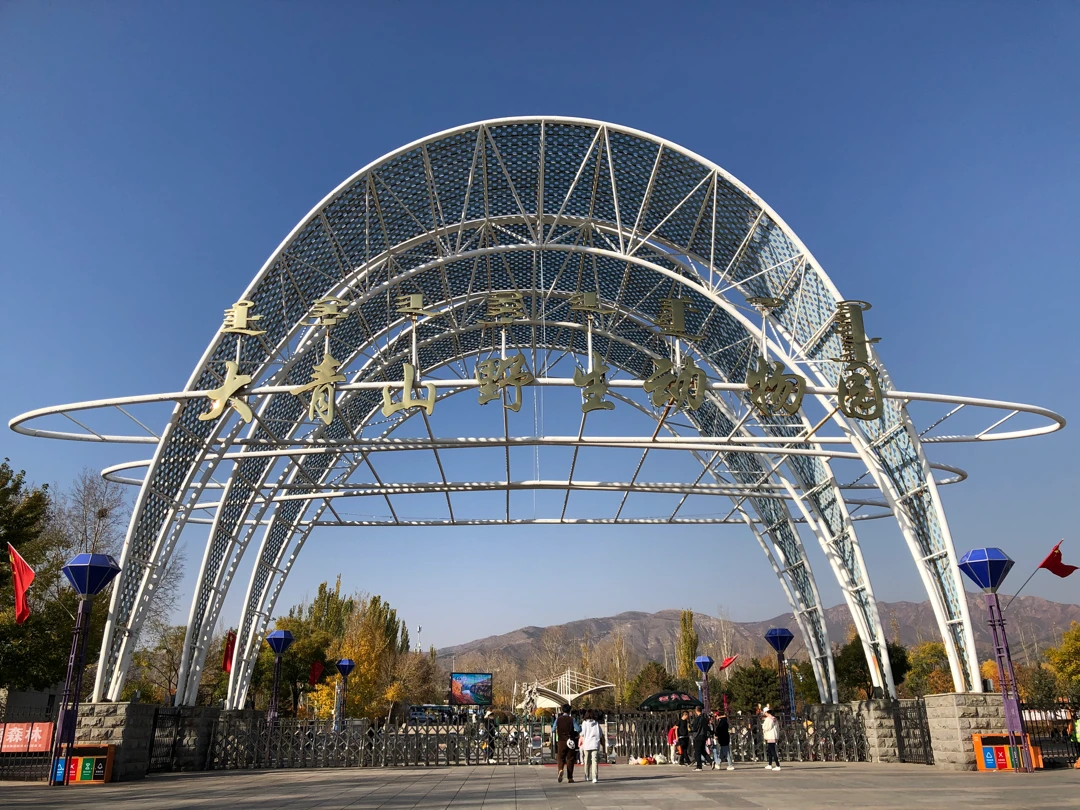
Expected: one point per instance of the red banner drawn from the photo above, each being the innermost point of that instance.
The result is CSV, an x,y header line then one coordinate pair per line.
x,y
315,673
230,647
41,737
21,577
16,738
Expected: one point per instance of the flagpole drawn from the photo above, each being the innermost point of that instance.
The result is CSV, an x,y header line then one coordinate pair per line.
x,y
1026,581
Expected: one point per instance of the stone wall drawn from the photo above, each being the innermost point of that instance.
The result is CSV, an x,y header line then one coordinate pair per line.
x,y
954,717
128,726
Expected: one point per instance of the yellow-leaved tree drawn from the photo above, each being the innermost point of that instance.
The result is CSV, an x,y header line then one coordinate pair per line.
x,y
376,640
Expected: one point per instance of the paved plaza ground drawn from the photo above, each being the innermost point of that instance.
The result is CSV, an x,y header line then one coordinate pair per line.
x,y
621,787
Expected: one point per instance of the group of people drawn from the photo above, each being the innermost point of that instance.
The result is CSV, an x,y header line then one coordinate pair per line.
x,y
710,737
569,738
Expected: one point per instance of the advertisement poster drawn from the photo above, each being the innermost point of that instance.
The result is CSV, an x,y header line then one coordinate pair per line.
x,y
470,689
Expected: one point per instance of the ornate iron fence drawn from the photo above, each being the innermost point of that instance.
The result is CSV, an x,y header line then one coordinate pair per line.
x,y
1050,726
168,721
26,736
838,737
913,732
241,743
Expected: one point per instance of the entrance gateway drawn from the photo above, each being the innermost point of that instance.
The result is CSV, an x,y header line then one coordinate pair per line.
x,y
539,266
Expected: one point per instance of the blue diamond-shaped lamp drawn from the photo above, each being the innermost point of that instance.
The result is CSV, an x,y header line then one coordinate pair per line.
x,y
279,641
90,573
345,666
704,663
779,638
986,567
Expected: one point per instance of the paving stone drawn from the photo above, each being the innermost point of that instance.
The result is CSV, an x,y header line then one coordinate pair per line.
x,y
806,786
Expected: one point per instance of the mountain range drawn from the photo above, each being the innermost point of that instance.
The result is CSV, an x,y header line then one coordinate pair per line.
x,y
1033,623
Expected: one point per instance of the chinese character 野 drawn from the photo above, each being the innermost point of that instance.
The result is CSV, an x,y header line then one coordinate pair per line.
x,y
225,394
238,320
685,389
411,304
323,378
858,393
495,375
594,387
505,306
673,318
327,311
407,399
774,390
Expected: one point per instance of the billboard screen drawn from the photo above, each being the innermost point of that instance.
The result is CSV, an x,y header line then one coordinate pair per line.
x,y
470,689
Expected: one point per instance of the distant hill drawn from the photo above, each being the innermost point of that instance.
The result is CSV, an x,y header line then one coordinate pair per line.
x,y
1033,623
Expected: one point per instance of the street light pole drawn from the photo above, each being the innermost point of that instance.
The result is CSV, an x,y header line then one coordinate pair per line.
x,y
88,575
279,641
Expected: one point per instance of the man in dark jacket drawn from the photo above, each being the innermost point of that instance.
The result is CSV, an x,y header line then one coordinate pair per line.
x,y
722,734
684,738
565,744
699,728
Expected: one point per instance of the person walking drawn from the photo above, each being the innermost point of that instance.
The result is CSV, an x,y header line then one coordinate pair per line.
x,y
684,738
566,742
673,741
770,730
699,728
592,741
722,741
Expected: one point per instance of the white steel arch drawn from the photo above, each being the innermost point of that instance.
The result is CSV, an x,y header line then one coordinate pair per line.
x,y
548,208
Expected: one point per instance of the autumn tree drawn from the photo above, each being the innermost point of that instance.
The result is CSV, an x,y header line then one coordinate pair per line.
x,y
929,672
753,683
651,679
1064,660
687,646
853,671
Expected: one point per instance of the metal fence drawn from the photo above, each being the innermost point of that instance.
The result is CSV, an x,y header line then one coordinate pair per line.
x,y
26,743
241,743
168,721
1050,727
913,732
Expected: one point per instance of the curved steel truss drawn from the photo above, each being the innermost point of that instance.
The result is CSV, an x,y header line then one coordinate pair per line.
x,y
591,231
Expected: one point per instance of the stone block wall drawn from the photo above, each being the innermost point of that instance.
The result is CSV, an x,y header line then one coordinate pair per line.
x,y
879,718
128,726
954,717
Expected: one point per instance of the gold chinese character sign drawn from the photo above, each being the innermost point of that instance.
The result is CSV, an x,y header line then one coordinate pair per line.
x,y
505,306
594,387
225,394
774,390
327,311
684,389
323,379
239,320
496,375
858,392
407,399
672,320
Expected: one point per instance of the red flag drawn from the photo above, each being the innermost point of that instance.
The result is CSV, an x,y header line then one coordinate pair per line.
x,y
230,647
727,662
1054,565
315,673
21,577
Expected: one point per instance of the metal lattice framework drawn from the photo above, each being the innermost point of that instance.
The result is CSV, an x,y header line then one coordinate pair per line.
x,y
550,208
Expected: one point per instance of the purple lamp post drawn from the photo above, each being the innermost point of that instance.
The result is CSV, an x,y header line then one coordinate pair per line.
x,y
88,575
279,641
779,638
344,666
987,568
704,663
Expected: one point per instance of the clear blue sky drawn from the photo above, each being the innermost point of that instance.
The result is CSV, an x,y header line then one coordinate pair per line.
x,y
152,155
